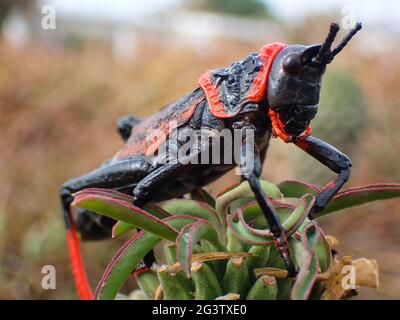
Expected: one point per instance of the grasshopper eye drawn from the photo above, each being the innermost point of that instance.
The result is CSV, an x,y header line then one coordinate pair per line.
x,y
292,64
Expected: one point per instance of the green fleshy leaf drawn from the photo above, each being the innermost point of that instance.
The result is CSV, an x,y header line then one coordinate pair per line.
x,y
206,283
263,237
186,207
129,255
291,220
304,253
242,191
156,211
254,216
148,282
265,288
175,285
108,204
360,195
245,235
189,236
236,278
121,227
284,285
297,189
110,193
259,258
323,252
218,266
234,244
170,253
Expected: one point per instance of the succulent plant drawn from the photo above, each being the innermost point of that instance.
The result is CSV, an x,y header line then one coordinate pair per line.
x,y
222,249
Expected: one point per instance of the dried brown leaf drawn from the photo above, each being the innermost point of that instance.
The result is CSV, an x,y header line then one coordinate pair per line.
x,y
366,274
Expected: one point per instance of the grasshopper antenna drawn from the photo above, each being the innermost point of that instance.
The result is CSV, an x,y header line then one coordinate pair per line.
x,y
324,51
345,41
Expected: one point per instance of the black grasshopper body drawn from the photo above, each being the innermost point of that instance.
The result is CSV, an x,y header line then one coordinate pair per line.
x,y
274,92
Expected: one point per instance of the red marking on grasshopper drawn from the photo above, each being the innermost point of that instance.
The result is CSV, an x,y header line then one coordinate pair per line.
x,y
259,86
278,128
147,136
212,95
81,282
140,271
268,54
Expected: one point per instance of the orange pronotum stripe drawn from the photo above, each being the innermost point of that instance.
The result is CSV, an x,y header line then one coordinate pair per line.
x,y
81,282
212,95
259,84
268,54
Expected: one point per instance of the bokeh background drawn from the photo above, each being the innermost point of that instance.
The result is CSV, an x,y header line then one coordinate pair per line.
x,y
62,90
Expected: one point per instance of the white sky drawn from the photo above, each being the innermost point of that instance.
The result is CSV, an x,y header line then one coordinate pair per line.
x,y
383,12
110,9
373,11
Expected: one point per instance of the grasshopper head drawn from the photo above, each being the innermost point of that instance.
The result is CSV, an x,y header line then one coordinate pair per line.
x,y
295,80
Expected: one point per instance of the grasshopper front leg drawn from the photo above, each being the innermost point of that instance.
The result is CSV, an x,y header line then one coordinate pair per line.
x,y
334,160
251,167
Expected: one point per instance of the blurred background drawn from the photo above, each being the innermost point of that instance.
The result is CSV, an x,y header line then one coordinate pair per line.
x,y
64,85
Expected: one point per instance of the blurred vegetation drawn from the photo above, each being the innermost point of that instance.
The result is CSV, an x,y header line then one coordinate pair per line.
x,y
250,8
59,105
6,6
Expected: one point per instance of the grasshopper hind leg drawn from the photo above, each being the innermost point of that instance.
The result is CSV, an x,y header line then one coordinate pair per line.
x,y
113,175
